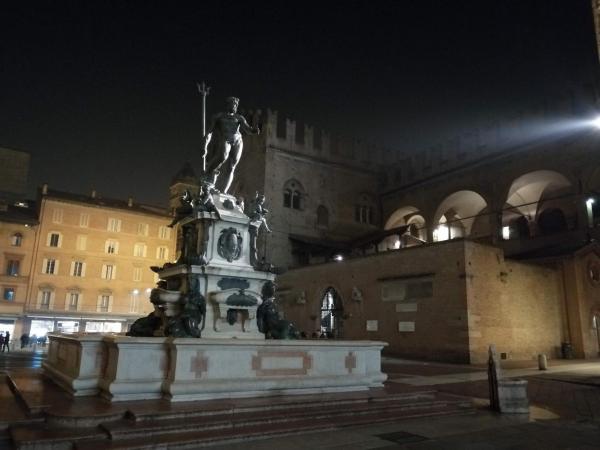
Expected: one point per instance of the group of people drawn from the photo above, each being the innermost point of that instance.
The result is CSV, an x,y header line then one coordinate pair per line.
x,y
4,341
28,341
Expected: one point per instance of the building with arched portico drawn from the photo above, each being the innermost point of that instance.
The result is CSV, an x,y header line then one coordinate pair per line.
x,y
501,249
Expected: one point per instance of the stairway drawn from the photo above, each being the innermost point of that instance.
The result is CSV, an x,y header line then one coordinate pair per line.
x,y
51,420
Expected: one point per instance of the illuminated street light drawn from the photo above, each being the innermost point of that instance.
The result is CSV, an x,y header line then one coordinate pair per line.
x,y
338,258
590,211
136,292
596,122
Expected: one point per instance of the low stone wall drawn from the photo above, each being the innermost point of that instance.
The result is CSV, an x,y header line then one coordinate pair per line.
x,y
126,368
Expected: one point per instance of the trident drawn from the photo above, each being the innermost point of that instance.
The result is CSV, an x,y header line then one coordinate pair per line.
x,y
204,90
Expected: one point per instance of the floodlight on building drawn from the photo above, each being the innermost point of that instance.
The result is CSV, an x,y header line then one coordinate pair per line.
x,y
506,233
338,258
590,201
441,233
596,122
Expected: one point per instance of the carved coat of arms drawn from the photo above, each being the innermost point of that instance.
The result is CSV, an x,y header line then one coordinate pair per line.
x,y
230,244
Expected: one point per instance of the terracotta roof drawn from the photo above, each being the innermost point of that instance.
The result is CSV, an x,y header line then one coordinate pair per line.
x,y
107,202
18,214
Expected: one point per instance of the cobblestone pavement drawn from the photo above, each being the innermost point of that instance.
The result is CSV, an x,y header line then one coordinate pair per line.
x,y
564,413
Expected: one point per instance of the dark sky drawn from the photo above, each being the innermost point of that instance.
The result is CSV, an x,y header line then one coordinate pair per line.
x,y
102,93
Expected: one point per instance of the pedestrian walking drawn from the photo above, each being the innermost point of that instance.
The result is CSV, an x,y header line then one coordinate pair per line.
x,y
24,340
6,342
1,342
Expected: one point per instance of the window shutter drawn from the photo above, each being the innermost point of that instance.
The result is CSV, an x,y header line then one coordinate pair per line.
x,y
44,264
83,269
110,303
67,300
56,263
99,303
72,270
114,272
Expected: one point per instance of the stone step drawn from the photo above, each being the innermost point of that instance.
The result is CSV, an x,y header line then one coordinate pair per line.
x,y
13,410
128,428
44,436
189,410
197,439
35,391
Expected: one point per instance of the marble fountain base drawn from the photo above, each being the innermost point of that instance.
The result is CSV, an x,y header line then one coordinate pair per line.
x,y
180,369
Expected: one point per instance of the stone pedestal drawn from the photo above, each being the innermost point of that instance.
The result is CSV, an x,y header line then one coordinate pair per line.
x,y
76,362
216,259
512,396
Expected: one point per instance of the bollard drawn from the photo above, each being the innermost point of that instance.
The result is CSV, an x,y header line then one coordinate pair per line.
x,y
542,362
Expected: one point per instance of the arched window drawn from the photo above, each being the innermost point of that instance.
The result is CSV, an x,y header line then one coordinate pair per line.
x,y
364,210
293,195
322,217
331,313
16,240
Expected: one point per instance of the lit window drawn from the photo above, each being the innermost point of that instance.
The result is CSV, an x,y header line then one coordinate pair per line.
x,y
104,303
12,267
50,266
57,216
9,294
139,250
84,220
54,240
16,240
506,233
164,232
78,269
81,242
114,225
162,253
142,229
73,301
137,274
111,247
45,299
108,271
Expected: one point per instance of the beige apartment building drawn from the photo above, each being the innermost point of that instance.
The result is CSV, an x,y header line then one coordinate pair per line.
x,y
84,263
18,226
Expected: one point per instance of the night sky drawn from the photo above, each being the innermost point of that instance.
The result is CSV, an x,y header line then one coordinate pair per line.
x,y
102,93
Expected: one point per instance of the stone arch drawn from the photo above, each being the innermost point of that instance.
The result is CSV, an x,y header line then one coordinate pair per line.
x,y
461,214
541,194
409,216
